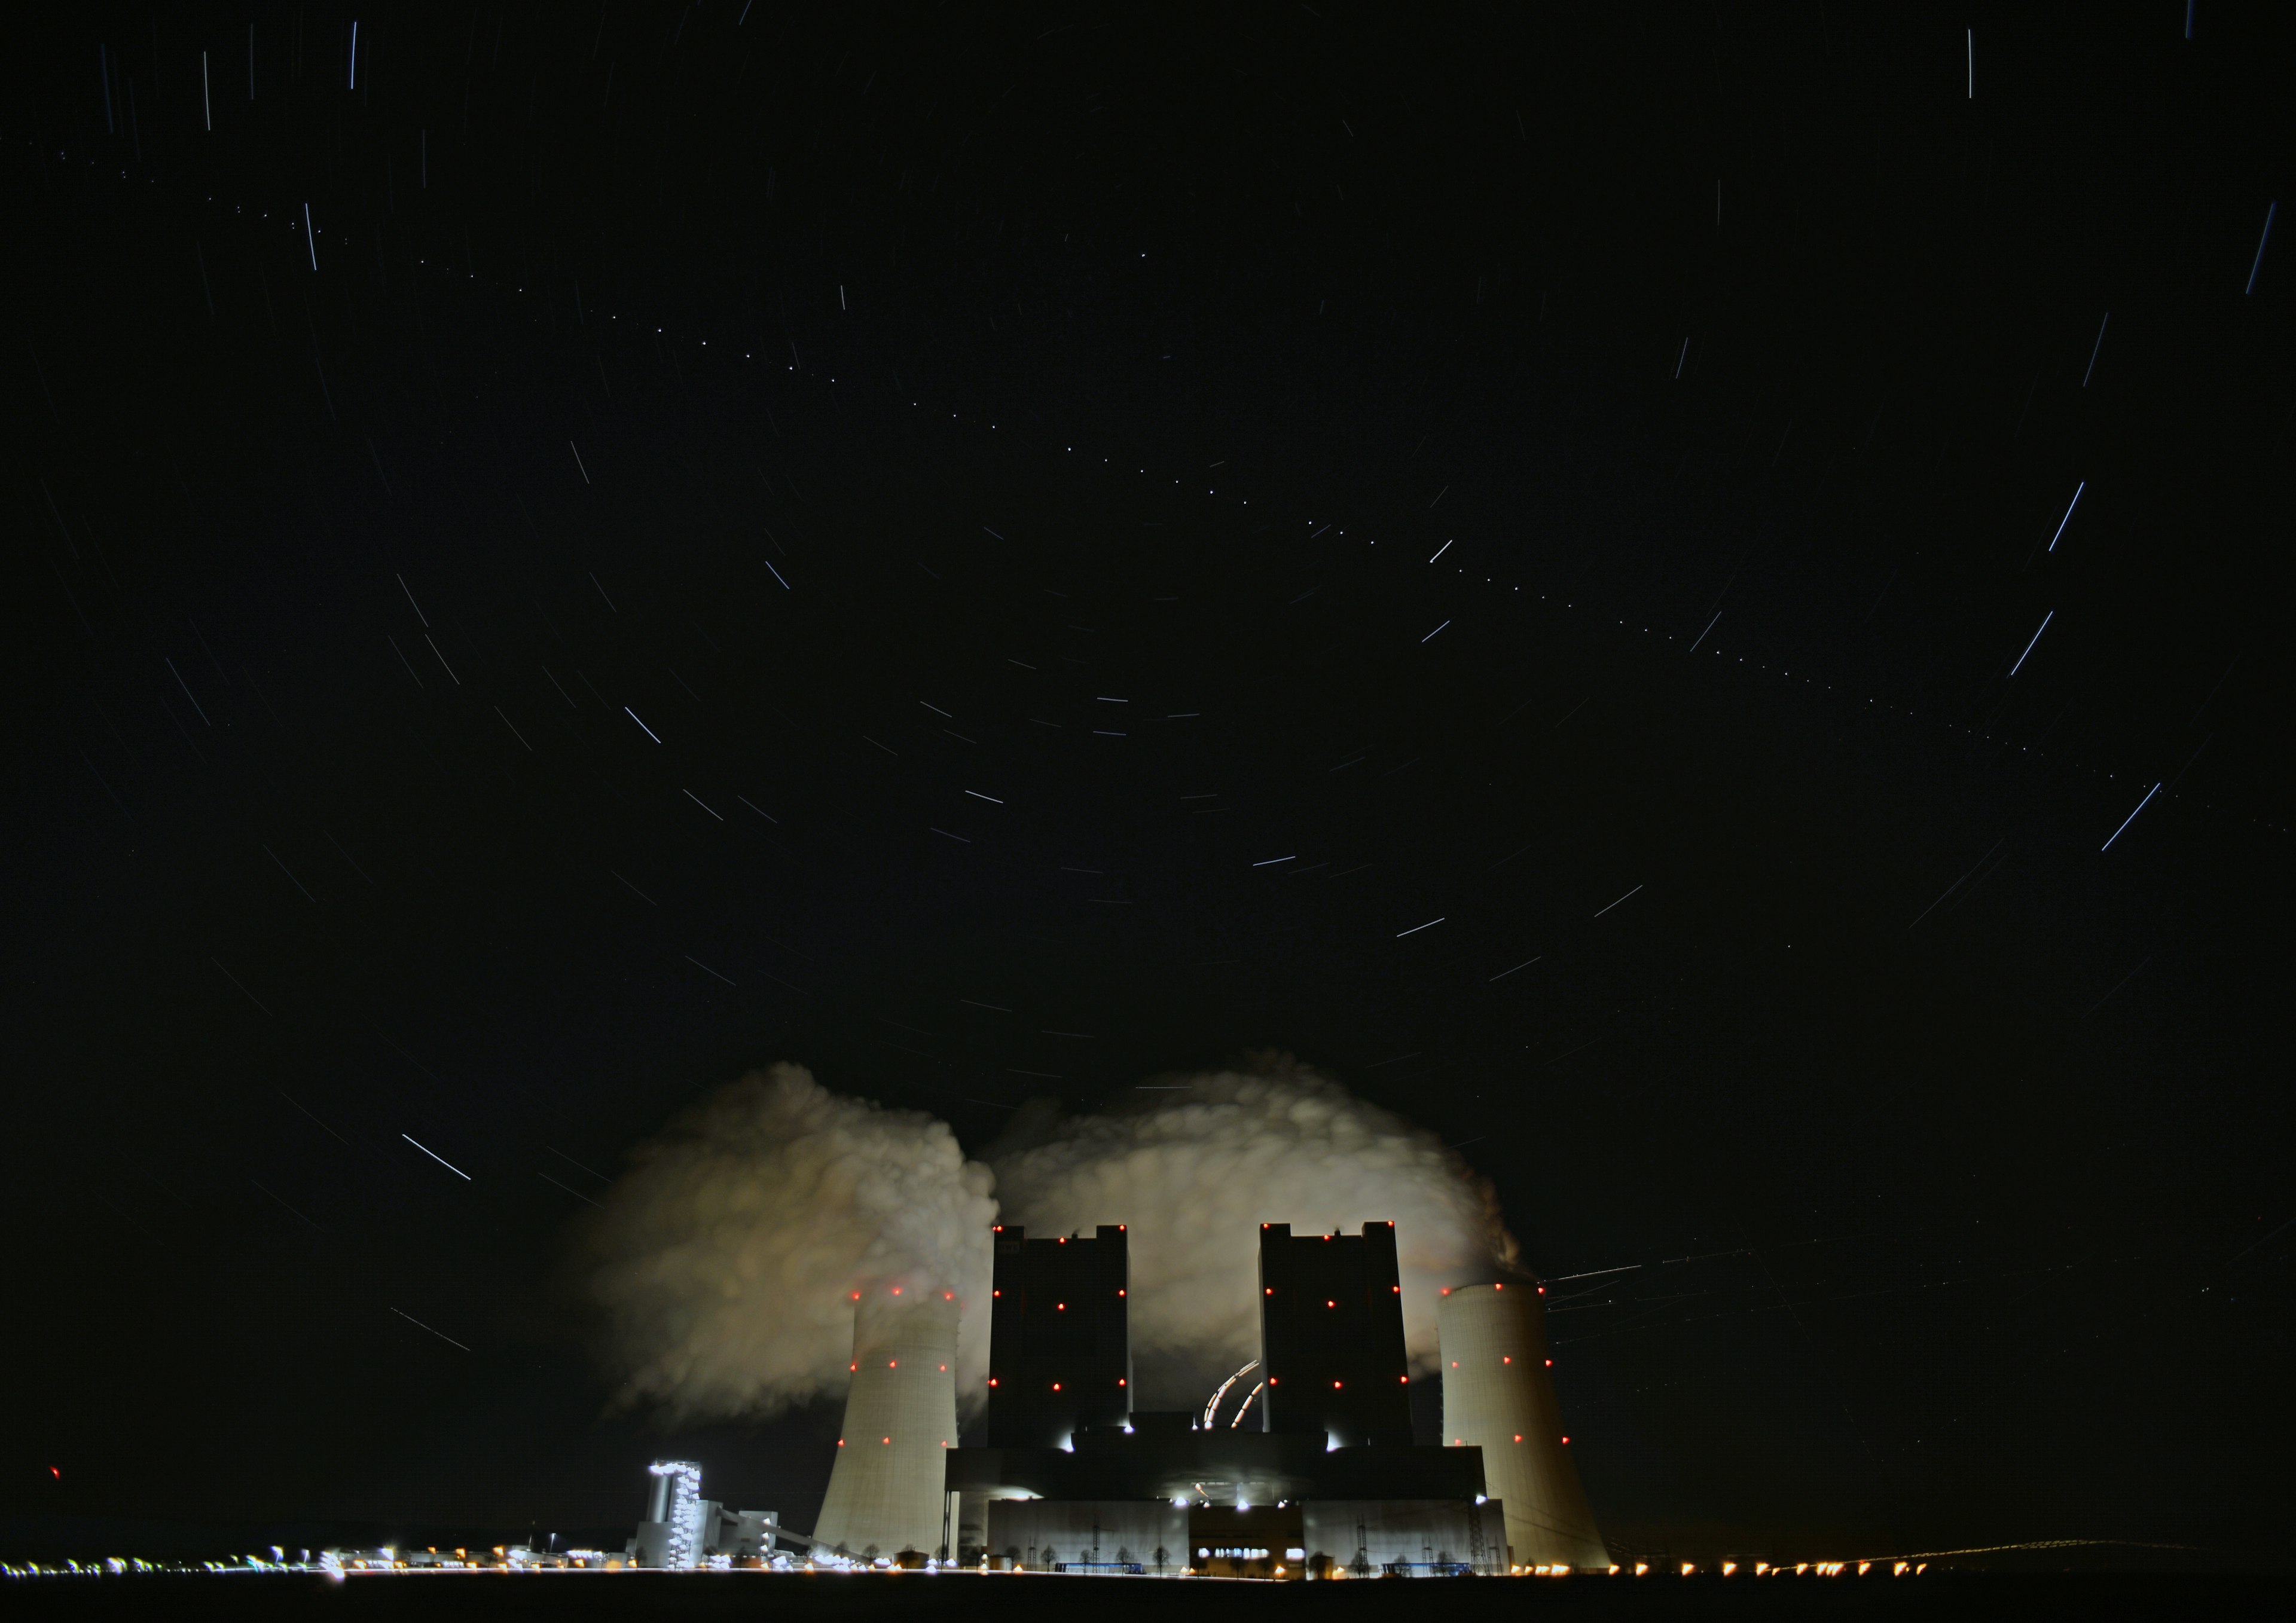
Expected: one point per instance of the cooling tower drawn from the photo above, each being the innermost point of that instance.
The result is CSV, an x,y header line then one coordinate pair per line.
x,y
1499,1396
885,1493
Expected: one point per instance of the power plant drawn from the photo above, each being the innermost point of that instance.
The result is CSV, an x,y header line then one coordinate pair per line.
x,y
1300,1464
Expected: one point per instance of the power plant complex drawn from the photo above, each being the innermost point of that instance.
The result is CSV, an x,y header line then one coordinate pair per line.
x,y
1301,1464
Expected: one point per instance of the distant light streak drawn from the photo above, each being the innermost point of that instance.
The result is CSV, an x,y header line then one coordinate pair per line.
x,y
777,576
649,731
443,1161
1416,929
2125,822
577,1193
977,795
2022,658
571,446
2069,516
2097,350
419,1324
1620,899
1442,549
1272,861
1709,626
698,800
2268,213
1432,635
1525,964
310,238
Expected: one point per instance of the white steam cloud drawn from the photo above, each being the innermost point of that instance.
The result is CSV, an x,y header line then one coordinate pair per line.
x,y
726,1258
724,1261
1196,1178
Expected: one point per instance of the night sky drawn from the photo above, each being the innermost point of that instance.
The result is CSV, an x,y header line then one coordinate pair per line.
x,y
1497,553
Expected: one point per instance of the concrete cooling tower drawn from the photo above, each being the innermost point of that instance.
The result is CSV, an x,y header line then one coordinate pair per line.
x,y
1499,1396
885,1493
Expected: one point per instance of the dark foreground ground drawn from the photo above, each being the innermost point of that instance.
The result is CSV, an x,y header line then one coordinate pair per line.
x,y
850,1600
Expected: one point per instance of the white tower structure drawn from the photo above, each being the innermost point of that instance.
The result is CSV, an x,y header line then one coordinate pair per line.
x,y
1499,1396
885,1493
671,1534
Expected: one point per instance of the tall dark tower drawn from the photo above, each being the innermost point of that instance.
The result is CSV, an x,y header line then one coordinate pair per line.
x,y
1060,1342
1331,1336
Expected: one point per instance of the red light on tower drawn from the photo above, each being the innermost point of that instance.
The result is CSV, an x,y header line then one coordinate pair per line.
x,y
1056,1386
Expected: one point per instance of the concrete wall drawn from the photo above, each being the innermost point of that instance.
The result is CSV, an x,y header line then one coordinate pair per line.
x,y
1363,1536
1050,1531
1497,1395
901,1416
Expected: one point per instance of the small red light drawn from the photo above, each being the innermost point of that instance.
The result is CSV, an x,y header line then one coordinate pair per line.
x,y
1119,1293
1056,1386
1063,1307
1330,1304
992,1380
857,1296
1398,1289
1518,1437
889,1441
893,1363
1566,1442
896,1290
1267,1290
1405,1378
1498,1287
1271,1379
1335,1386
1119,1380
944,1368
997,1294
1550,1364
840,1442
1447,1290
1506,1360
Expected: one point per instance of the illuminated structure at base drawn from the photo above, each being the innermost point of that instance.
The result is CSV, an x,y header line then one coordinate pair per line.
x,y
885,1493
1499,1396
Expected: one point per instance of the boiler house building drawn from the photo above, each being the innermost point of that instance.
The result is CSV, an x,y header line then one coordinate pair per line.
x,y
1302,1463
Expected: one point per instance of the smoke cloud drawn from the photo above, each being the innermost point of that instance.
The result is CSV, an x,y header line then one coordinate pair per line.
x,y
1196,1175
725,1259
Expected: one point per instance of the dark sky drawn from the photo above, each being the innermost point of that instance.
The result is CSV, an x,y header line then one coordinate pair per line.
x,y
525,568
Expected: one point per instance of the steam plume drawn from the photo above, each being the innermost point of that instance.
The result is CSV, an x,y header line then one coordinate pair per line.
x,y
1197,1176
725,1260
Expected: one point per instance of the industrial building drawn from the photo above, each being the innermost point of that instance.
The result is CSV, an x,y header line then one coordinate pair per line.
x,y
1301,1464
684,1531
